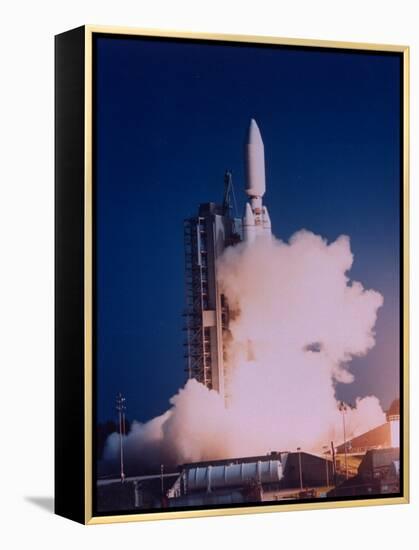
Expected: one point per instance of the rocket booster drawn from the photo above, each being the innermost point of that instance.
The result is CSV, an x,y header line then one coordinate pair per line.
x,y
249,227
256,221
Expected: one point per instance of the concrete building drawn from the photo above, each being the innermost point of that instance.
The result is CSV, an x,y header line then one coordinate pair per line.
x,y
382,437
393,419
378,473
264,478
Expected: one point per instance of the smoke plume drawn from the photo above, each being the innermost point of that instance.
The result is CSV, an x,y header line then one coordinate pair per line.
x,y
297,321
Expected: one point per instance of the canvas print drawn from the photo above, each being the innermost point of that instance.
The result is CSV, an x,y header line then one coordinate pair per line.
x,y
247,274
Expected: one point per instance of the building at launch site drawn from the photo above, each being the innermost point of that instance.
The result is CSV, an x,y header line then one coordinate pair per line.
x,y
276,476
367,465
206,236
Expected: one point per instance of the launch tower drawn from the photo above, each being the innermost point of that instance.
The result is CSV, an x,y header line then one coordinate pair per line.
x,y
206,236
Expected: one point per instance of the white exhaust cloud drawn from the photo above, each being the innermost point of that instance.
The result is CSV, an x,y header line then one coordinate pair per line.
x,y
298,321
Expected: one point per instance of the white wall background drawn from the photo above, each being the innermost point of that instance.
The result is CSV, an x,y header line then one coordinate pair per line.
x,y
26,272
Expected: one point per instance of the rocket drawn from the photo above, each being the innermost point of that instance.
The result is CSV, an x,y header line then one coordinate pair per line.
x,y
256,220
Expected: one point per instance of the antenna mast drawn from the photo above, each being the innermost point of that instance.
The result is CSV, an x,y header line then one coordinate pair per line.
x,y
121,408
228,189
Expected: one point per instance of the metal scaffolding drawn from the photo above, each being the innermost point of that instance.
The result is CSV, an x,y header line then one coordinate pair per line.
x,y
207,314
198,338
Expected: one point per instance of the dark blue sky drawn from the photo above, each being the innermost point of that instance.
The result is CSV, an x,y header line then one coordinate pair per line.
x,y
171,117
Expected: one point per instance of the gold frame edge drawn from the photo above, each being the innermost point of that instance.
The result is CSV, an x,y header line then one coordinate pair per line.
x,y
278,508
262,39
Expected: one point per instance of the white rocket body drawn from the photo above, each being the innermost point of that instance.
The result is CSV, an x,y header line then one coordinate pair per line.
x,y
256,221
249,226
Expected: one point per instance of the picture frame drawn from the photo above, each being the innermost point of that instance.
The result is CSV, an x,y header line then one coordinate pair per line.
x,y
129,104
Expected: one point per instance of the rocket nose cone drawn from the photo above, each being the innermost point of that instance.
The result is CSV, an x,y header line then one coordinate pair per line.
x,y
253,133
